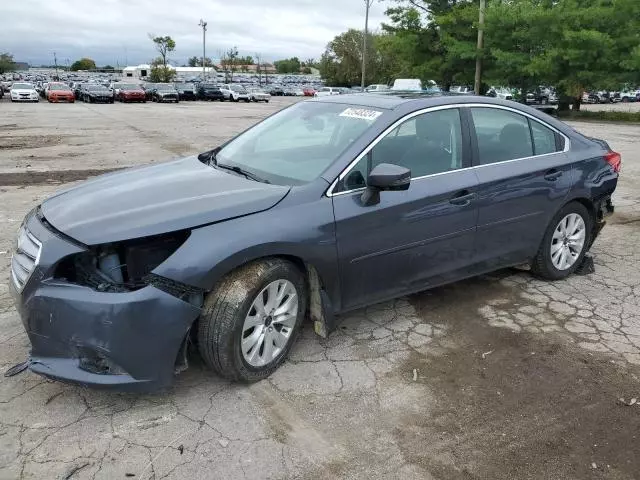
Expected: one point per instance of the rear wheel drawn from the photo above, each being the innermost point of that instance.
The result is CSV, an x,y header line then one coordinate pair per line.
x,y
249,322
564,244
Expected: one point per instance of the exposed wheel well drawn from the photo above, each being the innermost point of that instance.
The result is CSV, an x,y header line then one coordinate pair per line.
x,y
588,204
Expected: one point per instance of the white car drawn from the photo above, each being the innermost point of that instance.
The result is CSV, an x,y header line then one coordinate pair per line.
x,y
235,93
408,84
24,92
378,87
257,95
327,91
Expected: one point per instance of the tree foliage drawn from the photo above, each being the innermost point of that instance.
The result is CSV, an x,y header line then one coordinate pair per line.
x,y
289,65
83,64
6,63
573,45
197,62
164,46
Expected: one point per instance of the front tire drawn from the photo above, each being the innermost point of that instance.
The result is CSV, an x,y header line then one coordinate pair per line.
x,y
565,243
250,320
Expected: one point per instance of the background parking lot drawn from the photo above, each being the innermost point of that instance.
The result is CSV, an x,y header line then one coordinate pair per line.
x,y
501,376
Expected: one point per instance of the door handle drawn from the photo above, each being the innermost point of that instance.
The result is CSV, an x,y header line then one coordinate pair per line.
x,y
552,175
463,198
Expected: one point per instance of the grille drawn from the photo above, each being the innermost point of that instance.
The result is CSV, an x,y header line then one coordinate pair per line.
x,y
25,258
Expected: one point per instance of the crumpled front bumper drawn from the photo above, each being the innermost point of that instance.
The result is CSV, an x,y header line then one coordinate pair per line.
x,y
125,341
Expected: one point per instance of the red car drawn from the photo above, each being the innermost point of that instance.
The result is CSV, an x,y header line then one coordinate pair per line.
x,y
131,93
309,91
60,92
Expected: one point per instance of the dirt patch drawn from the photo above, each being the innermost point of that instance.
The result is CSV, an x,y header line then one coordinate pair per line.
x,y
535,407
30,141
39,177
625,218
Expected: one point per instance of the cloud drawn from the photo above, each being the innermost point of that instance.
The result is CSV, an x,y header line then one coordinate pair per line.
x,y
116,31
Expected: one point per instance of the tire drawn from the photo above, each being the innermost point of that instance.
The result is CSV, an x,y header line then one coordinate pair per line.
x,y
542,265
247,100
266,101
221,325
625,100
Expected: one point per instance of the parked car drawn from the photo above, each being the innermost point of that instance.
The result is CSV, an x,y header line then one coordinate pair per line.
x,y
210,91
276,91
626,96
130,92
148,90
407,84
305,212
96,93
60,92
235,93
23,92
541,96
186,91
258,95
309,91
378,87
327,91
77,90
501,93
164,92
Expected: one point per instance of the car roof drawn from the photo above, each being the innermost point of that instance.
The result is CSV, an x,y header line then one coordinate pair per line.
x,y
417,100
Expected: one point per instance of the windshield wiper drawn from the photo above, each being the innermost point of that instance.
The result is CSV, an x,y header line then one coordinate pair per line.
x,y
241,171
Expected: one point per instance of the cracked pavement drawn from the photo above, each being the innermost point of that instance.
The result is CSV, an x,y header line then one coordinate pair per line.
x,y
502,376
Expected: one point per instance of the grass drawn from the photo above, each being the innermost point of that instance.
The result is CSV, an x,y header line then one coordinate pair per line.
x,y
602,115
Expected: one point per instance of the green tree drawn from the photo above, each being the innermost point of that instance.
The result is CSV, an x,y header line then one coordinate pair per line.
x,y
164,46
6,63
341,62
83,64
161,73
108,67
289,65
197,62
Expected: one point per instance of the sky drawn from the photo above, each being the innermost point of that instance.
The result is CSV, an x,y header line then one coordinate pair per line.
x,y
117,32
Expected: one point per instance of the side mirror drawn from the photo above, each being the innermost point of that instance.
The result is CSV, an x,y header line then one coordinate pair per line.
x,y
385,177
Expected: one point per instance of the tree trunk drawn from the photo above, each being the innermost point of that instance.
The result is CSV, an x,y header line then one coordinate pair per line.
x,y
576,102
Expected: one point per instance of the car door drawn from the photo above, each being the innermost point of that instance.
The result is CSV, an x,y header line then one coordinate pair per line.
x,y
524,177
415,238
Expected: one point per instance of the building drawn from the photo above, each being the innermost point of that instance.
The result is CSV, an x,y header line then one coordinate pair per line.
x,y
141,72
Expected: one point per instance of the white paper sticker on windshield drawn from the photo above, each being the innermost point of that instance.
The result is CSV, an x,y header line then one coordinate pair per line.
x,y
361,113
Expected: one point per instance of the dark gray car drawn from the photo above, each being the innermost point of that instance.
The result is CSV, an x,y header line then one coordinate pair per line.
x,y
327,206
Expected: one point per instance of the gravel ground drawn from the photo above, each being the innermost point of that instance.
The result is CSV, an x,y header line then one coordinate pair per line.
x,y
500,377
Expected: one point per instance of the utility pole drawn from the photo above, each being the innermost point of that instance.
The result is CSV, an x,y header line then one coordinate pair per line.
x,y
479,49
203,24
364,41
55,61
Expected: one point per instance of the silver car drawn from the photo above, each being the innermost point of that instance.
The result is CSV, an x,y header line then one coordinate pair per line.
x,y
257,95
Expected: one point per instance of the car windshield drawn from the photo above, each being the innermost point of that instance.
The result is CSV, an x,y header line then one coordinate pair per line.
x,y
237,88
26,86
165,88
96,87
297,144
58,87
128,86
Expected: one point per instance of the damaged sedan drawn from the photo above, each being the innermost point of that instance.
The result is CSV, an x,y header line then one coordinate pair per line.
x,y
324,207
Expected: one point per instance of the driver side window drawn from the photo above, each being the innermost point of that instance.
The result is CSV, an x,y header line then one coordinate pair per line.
x,y
426,144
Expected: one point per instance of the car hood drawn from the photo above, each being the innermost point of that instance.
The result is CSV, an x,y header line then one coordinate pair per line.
x,y
156,199
23,90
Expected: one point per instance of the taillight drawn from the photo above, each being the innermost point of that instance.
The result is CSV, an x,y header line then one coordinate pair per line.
x,y
615,160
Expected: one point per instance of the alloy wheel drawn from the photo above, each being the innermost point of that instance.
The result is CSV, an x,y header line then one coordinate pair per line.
x,y
268,326
568,241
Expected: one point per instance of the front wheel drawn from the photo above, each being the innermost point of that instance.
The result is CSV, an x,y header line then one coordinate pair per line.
x,y
565,243
249,322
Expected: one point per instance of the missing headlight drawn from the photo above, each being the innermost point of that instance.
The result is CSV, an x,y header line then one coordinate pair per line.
x,y
121,266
